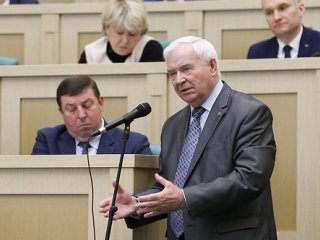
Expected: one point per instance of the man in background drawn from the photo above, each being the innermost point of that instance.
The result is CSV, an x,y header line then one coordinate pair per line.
x,y
291,39
81,107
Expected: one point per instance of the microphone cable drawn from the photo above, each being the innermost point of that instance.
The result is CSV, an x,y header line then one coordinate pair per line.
x,y
92,192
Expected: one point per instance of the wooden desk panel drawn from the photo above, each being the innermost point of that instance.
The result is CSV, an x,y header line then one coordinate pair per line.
x,y
49,197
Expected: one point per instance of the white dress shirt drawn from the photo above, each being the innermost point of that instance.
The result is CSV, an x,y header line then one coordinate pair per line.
x,y
294,44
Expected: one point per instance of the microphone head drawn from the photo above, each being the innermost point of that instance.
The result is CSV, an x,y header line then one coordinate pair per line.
x,y
143,109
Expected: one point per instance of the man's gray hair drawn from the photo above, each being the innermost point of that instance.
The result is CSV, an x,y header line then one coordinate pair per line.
x,y
204,49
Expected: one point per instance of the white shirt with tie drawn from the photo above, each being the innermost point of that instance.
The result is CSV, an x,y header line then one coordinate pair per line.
x,y
294,44
94,144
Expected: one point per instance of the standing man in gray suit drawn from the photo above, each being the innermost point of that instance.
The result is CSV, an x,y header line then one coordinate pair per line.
x,y
216,186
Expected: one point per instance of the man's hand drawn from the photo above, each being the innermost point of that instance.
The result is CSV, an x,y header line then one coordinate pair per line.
x,y
168,200
124,202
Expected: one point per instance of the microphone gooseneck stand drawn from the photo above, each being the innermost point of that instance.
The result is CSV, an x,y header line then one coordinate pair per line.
x,y
114,208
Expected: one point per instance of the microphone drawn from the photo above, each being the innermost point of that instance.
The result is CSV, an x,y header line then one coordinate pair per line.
x,y
141,110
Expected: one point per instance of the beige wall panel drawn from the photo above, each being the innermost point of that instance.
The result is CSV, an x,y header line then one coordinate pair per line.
x,y
44,217
216,23
171,25
157,87
72,27
30,29
158,35
311,15
86,38
284,178
115,107
36,113
235,43
12,45
194,23
50,38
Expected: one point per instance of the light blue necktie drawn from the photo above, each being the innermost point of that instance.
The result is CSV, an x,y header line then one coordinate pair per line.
x,y
176,218
85,146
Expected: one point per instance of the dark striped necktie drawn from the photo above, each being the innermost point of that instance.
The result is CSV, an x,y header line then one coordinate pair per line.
x,y
287,50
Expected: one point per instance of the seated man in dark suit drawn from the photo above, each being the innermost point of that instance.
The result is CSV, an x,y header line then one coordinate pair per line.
x,y
291,38
81,107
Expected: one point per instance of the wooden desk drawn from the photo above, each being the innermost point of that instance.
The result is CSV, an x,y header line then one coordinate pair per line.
x,y
49,197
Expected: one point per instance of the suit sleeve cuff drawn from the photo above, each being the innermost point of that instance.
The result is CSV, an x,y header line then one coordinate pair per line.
x,y
185,200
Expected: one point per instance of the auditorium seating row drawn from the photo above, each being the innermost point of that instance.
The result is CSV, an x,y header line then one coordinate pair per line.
x,y
291,87
57,33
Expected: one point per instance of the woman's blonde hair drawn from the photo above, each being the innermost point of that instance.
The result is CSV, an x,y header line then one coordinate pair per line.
x,y
130,15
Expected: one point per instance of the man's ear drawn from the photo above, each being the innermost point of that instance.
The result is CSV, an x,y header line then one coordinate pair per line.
x,y
101,101
213,64
301,8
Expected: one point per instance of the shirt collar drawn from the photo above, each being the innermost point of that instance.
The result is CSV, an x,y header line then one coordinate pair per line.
x,y
212,97
295,43
6,3
94,142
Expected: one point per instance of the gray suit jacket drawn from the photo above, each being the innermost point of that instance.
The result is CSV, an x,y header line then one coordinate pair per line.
x,y
228,182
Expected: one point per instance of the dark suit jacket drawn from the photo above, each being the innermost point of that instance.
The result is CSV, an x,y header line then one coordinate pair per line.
x,y
309,46
228,183
23,1
57,140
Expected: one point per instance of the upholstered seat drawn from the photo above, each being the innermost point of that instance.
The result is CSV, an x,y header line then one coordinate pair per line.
x,y
155,149
8,61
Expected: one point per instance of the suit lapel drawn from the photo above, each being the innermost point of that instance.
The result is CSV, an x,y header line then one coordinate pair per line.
x,y
179,135
106,145
67,144
272,51
305,43
217,112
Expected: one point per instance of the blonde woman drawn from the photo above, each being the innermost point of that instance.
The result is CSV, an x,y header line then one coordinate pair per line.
x,y
125,24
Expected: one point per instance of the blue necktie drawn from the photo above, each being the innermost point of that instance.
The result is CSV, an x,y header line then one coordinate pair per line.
x,y
287,49
176,218
85,146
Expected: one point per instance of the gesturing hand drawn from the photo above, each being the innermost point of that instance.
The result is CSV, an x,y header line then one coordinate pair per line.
x,y
124,202
169,199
